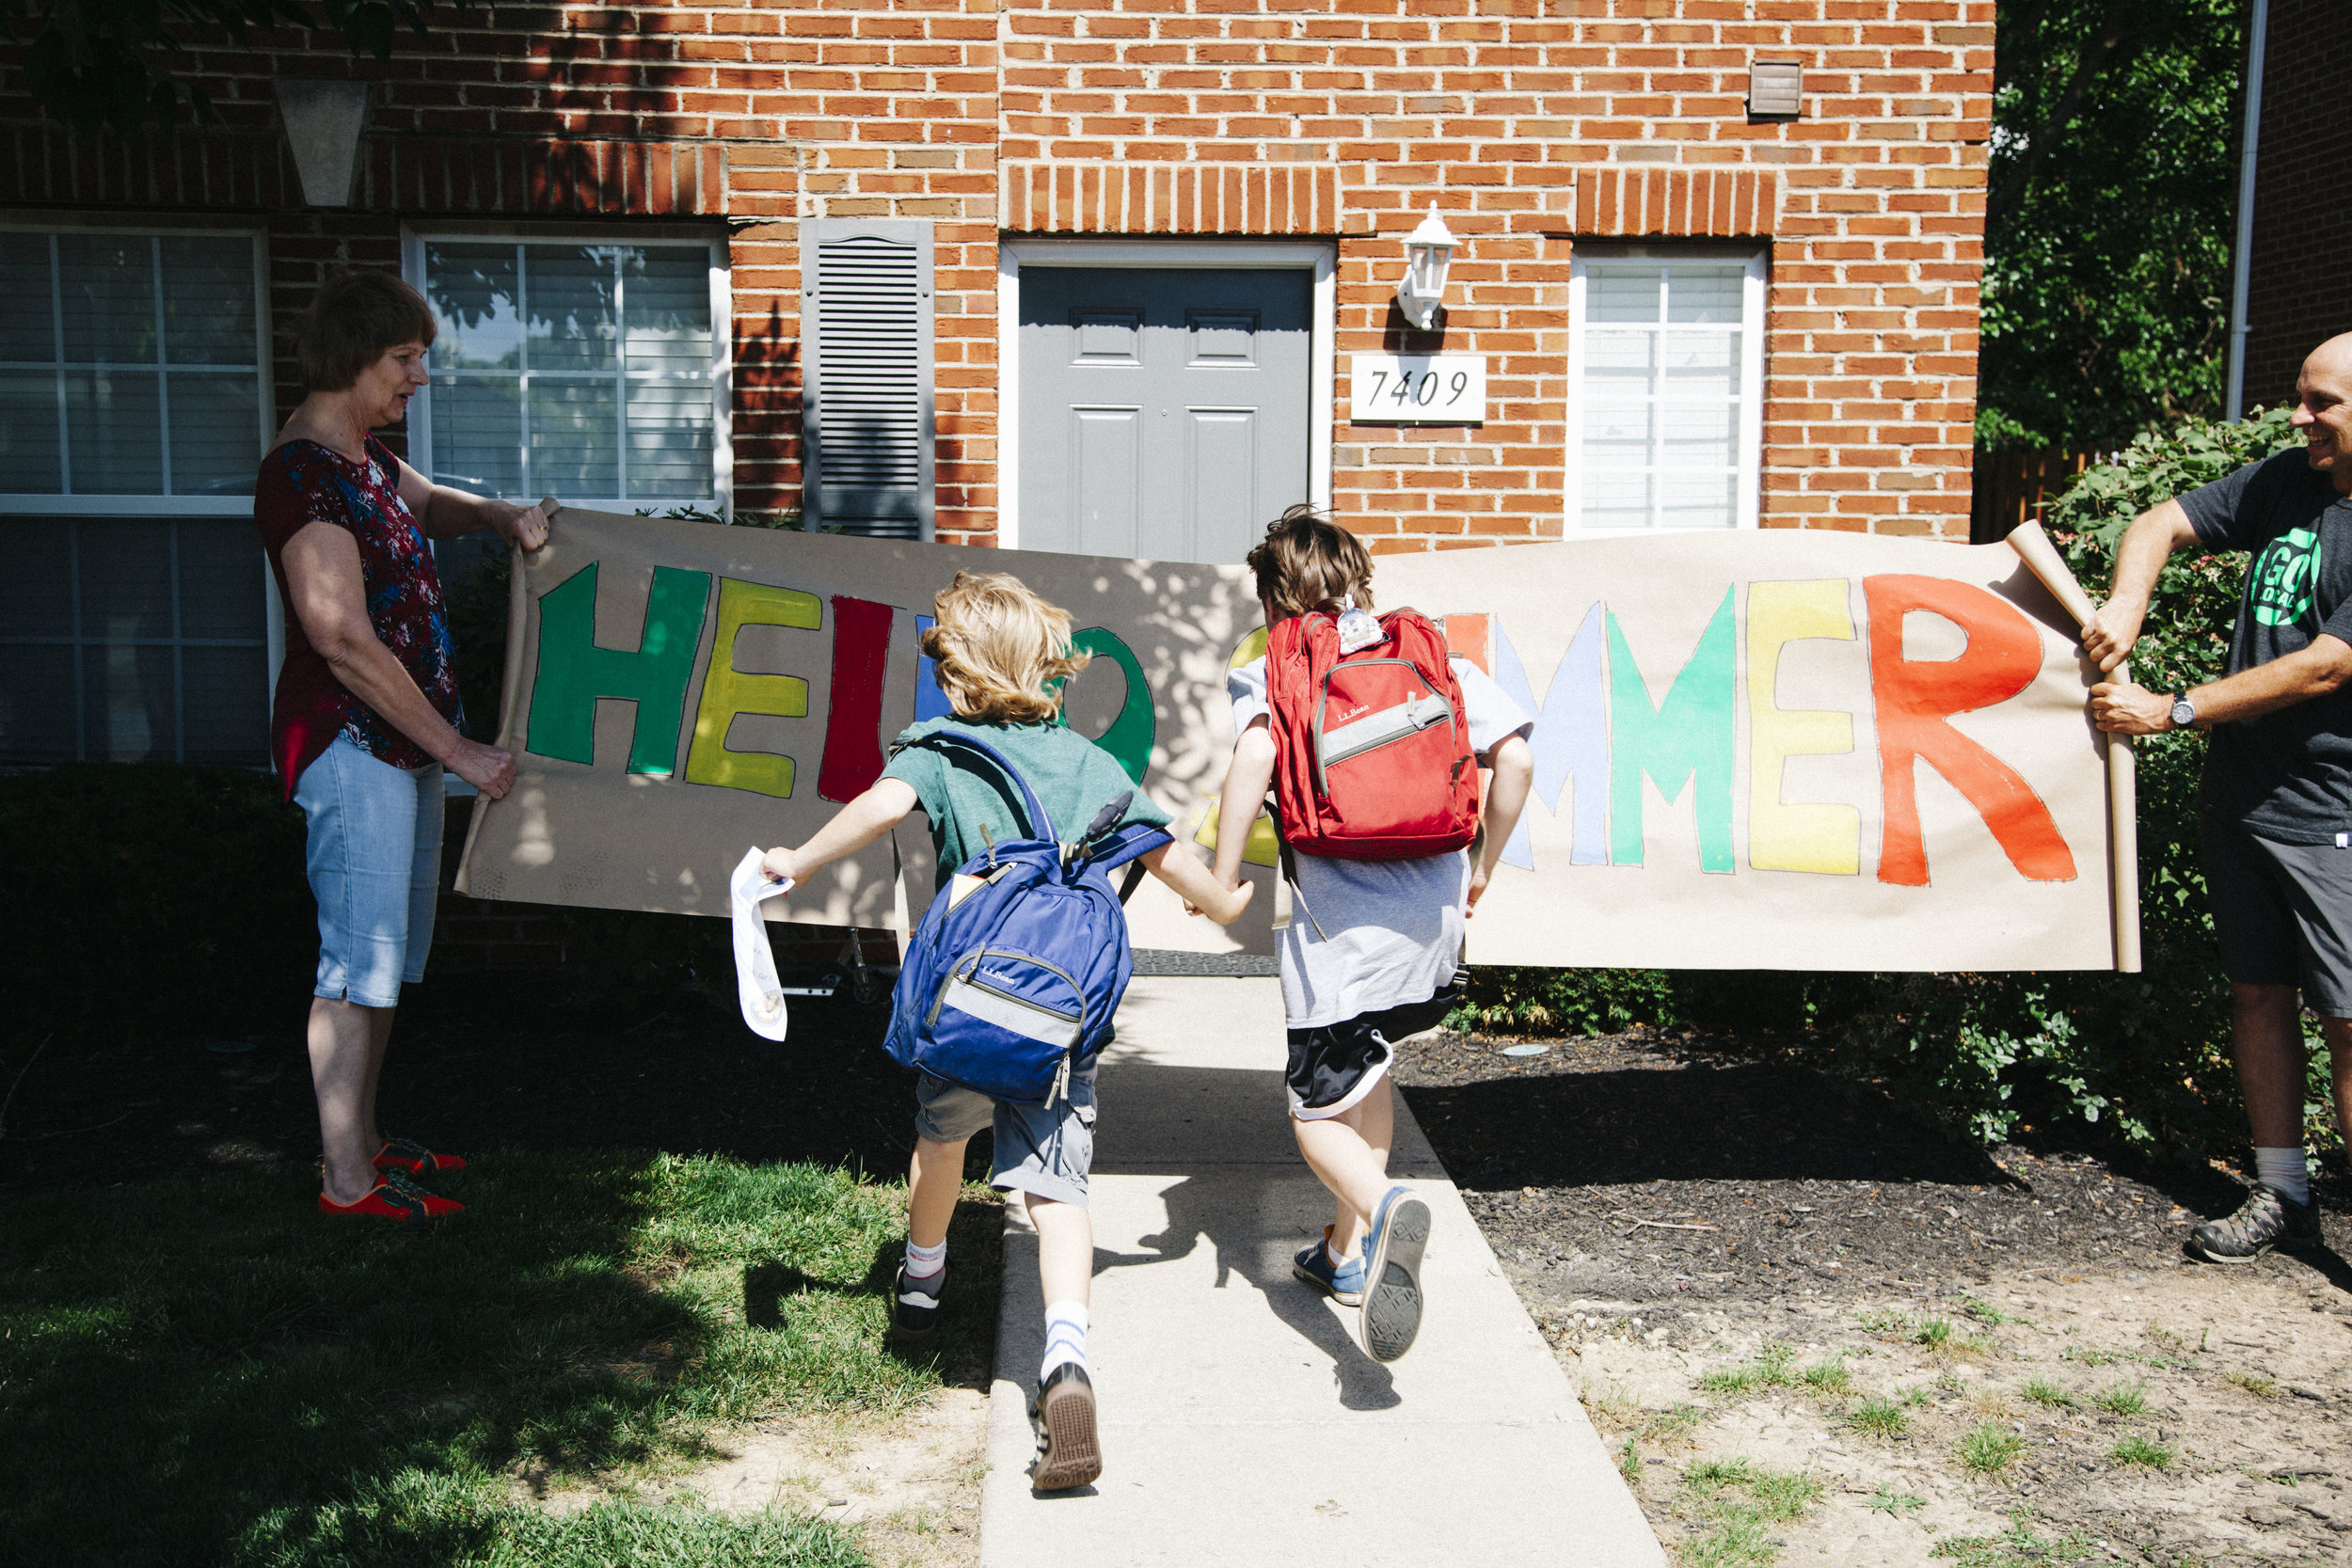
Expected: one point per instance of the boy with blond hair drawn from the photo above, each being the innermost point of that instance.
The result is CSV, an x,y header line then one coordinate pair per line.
x,y
1372,956
1003,654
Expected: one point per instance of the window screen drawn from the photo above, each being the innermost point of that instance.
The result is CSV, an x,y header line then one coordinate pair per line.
x,y
132,640
580,370
1662,421
129,365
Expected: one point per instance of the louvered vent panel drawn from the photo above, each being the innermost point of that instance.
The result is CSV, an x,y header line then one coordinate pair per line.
x,y
866,315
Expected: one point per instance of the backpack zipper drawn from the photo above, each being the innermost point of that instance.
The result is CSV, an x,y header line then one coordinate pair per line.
x,y
1061,1074
1323,698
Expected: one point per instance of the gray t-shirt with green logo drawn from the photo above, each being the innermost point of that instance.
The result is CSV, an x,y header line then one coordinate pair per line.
x,y
2287,775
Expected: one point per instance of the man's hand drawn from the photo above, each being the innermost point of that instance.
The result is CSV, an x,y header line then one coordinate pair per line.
x,y
523,526
2125,709
487,768
2110,634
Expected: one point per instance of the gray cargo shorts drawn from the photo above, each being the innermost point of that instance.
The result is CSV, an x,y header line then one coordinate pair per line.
x,y
1041,1150
2283,914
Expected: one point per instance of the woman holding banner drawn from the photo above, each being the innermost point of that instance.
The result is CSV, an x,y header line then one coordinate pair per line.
x,y
366,713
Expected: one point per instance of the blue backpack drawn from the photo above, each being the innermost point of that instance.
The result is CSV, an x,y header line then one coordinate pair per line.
x,y
1013,974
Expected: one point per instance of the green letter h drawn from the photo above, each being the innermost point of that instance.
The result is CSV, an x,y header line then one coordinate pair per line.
x,y
574,672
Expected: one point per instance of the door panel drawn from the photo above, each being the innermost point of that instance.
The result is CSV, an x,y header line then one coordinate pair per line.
x,y
1163,410
1108,444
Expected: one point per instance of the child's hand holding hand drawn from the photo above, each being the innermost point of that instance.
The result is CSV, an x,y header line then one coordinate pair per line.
x,y
1226,907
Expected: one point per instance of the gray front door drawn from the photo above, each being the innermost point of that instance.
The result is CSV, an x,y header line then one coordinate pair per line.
x,y
1163,410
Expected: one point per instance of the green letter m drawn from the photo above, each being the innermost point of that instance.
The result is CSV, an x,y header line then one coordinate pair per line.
x,y
1688,734
574,672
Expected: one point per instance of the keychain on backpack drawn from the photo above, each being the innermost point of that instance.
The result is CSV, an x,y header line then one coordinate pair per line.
x,y
1358,630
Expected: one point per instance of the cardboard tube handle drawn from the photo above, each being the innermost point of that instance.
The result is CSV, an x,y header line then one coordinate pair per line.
x,y
2043,559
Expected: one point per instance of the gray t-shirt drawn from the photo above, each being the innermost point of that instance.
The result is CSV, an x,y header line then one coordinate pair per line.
x,y
2287,775
1383,933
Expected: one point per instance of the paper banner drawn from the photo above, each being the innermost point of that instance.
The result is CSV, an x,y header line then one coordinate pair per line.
x,y
1755,750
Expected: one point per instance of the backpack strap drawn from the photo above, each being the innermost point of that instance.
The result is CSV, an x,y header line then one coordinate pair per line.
x,y
1038,823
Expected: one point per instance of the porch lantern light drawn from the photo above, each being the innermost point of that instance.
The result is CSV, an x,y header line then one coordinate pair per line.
x,y
1430,252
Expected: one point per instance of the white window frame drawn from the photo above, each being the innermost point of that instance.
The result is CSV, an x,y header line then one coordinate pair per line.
x,y
35,504
1318,257
413,239
1748,509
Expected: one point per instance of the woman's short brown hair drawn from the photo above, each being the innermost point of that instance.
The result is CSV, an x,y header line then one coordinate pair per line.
x,y
1002,650
353,319
1308,561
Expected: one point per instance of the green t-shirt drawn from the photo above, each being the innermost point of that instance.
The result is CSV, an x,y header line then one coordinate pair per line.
x,y
1072,777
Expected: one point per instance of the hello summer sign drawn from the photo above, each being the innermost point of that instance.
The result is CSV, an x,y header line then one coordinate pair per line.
x,y
1756,749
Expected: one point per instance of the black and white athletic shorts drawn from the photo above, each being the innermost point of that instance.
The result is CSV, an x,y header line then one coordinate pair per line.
x,y
2283,913
1334,1066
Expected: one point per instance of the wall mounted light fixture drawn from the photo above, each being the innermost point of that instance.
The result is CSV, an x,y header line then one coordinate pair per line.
x,y
1429,251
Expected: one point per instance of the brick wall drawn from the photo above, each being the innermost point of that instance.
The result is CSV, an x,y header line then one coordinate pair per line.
x,y
2299,292
1531,125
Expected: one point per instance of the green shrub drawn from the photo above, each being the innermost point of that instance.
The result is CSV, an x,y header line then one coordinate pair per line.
x,y
151,896
2145,1056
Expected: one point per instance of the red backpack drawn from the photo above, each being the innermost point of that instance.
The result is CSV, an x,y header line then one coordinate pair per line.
x,y
1372,751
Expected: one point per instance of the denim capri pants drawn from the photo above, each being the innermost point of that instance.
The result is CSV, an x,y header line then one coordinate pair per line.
x,y
375,862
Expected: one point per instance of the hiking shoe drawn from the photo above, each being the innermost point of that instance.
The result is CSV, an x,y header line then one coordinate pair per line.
x,y
1343,1282
1068,1452
1392,1248
411,1158
395,1197
2268,1218
914,1309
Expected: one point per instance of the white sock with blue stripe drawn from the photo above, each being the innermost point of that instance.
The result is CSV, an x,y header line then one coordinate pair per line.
x,y
1065,1337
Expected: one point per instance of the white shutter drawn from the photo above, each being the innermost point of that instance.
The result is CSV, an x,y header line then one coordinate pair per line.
x,y
867,411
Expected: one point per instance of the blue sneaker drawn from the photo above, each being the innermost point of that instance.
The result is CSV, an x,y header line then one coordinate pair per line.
x,y
1343,1282
1392,1249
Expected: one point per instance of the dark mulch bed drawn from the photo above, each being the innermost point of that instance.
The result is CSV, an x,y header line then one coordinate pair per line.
x,y
479,1062
1645,1166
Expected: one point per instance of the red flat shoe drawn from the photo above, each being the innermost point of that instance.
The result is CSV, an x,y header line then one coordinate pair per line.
x,y
411,1158
395,1197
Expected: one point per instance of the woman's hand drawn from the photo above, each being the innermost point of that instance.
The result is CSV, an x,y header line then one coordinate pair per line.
x,y
523,526
487,768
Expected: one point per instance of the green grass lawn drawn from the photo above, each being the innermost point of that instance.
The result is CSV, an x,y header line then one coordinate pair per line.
x,y
206,1370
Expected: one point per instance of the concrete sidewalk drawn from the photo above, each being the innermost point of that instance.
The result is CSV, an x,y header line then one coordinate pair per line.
x,y
1241,1424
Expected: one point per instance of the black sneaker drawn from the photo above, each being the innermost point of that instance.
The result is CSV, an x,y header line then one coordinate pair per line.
x,y
2268,1218
1068,1451
914,1309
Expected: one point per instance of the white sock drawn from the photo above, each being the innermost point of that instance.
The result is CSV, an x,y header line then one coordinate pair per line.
x,y
925,1261
1065,1337
2285,1169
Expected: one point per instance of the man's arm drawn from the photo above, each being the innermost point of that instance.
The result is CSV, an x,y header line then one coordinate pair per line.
x,y
2152,537
2296,678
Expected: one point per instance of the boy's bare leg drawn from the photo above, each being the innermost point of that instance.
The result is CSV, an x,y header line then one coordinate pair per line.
x,y
1065,1249
1349,1154
934,1182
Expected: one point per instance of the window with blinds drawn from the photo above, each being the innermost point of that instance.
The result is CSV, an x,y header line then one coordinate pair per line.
x,y
592,373
867,412
132,640
130,364
1665,380
133,411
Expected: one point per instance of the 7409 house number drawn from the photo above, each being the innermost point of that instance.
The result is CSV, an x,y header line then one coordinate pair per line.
x,y
1426,389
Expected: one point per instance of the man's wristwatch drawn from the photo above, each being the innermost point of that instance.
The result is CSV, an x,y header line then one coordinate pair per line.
x,y
2183,711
